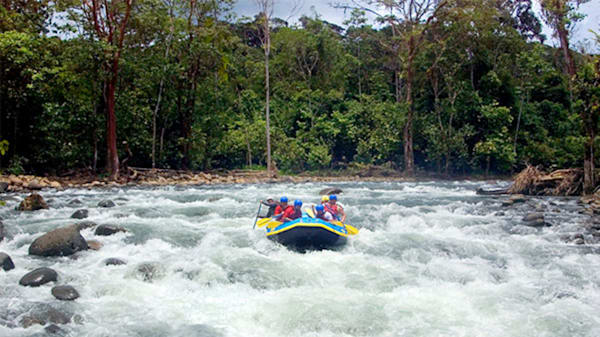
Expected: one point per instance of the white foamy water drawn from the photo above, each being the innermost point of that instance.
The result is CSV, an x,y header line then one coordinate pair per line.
x,y
431,259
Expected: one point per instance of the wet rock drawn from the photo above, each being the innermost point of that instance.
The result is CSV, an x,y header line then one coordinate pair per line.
x,y
500,214
59,242
481,191
106,204
113,261
3,186
6,262
74,202
34,185
80,214
85,225
516,198
507,203
65,293
44,314
94,244
148,271
330,190
106,230
32,203
53,329
533,216
1,231
38,277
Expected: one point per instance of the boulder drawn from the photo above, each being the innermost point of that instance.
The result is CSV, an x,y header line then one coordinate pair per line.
x,y
59,242
106,230
53,329
94,244
330,190
3,186
34,185
533,216
106,203
113,261
32,203
517,198
65,293
80,214
149,271
38,277
1,231
85,225
6,262
74,202
43,314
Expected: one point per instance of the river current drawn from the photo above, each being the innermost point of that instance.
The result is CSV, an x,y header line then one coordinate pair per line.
x,y
431,259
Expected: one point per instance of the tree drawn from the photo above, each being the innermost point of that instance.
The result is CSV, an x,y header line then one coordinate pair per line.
x,y
109,21
266,11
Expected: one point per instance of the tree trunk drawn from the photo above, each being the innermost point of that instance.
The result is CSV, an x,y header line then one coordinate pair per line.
x,y
588,165
409,160
111,129
563,36
268,95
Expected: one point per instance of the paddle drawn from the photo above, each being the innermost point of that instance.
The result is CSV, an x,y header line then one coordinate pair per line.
x,y
257,213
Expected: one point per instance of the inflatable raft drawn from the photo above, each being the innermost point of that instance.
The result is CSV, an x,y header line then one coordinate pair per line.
x,y
306,233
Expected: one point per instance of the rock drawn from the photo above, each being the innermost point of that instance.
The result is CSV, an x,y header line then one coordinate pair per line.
x,y
6,262
481,191
94,244
32,203
80,214
579,241
536,223
113,261
55,184
74,202
106,203
85,225
53,329
515,198
106,230
3,186
533,216
148,271
38,277
34,185
15,180
330,190
44,314
1,231
65,293
507,203
59,242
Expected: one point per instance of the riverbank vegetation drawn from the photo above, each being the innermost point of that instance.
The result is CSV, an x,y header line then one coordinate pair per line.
x,y
457,88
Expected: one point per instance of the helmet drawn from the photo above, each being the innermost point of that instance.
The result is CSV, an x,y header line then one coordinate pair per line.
x,y
324,198
297,203
283,199
319,208
332,197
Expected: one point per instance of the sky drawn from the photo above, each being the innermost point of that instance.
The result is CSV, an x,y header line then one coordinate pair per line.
x,y
283,9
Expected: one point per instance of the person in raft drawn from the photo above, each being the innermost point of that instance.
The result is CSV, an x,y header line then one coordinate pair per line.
x,y
336,210
292,213
324,200
282,207
272,206
321,214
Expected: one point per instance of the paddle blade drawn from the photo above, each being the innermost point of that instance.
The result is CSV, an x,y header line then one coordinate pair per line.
x,y
309,211
262,222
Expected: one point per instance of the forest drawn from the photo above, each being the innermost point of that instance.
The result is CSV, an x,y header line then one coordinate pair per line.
x,y
449,86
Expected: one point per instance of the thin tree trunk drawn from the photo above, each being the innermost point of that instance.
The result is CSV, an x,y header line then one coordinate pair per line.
x,y
111,129
409,160
518,125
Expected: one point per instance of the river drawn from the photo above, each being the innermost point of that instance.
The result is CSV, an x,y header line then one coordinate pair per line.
x,y
431,259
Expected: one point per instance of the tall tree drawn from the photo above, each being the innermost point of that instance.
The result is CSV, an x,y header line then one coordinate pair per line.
x,y
266,11
109,22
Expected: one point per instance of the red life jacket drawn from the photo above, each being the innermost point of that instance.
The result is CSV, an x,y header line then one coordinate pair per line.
x,y
333,209
292,213
279,209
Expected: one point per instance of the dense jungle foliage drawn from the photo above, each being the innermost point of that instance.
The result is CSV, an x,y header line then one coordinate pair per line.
x,y
481,90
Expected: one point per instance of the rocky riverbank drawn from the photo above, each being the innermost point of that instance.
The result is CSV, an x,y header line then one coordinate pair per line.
x,y
157,177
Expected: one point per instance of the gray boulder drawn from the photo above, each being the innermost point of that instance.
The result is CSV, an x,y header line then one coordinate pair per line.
x,y
53,329
33,202
74,202
3,186
330,190
65,293
6,262
85,225
59,242
43,314
38,277
80,214
1,231
113,261
106,203
533,216
106,230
